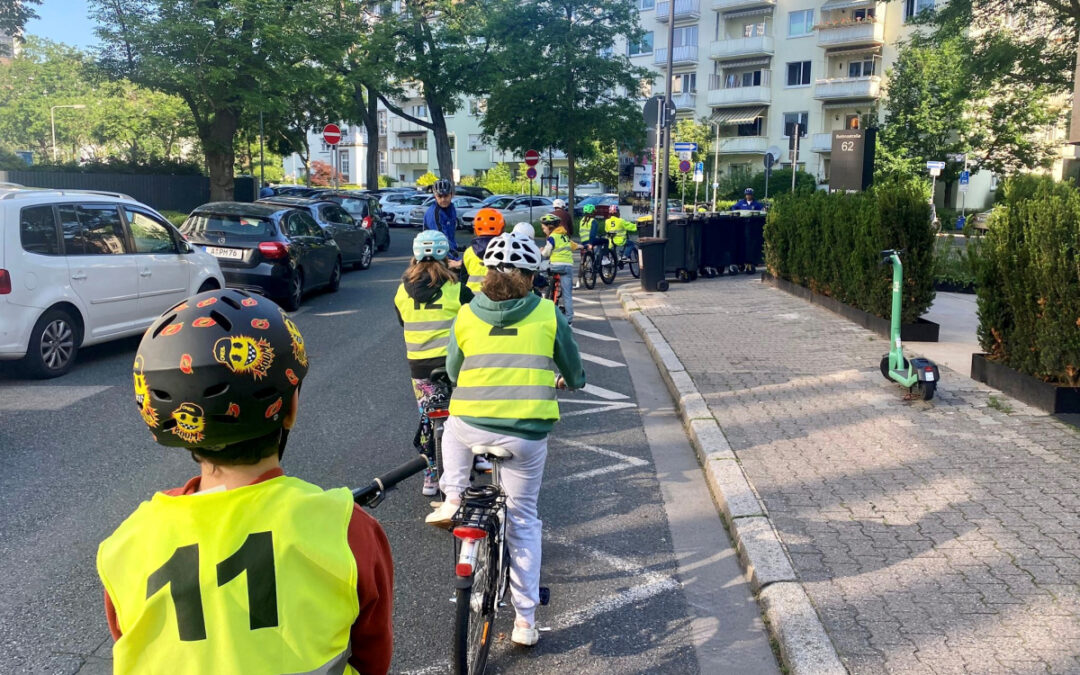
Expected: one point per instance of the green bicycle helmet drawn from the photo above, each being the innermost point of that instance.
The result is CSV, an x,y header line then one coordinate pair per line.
x,y
219,368
588,208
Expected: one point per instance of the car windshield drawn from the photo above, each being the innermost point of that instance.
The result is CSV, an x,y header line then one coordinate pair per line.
x,y
415,200
224,225
353,205
598,200
499,202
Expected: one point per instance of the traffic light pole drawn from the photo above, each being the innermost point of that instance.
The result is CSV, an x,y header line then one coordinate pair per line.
x,y
661,208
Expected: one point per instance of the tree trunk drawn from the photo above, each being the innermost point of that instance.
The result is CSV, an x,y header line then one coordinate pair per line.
x,y
217,138
443,154
571,178
371,125
306,158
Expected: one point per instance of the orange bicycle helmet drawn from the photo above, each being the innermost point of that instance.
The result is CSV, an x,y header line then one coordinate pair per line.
x,y
488,223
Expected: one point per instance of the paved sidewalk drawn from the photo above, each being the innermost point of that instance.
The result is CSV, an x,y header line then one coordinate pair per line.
x,y
938,536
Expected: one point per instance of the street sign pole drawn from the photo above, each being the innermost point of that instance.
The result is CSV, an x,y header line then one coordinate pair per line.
x,y
963,193
795,158
532,158
660,217
715,169
656,165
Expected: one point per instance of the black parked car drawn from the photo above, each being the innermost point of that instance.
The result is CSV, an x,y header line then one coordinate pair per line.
x,y
363,206
296,191
278,251
357,244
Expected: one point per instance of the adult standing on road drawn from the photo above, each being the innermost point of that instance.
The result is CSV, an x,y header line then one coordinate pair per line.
x,y
442,215
504,347
219,375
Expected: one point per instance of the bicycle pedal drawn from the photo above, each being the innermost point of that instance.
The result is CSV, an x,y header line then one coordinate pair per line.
x,y
545,595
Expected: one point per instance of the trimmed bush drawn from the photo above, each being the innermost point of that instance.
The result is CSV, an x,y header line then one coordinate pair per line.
x,y
1029,280
831,243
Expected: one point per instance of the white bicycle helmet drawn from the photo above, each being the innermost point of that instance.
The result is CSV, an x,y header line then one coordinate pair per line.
x,y
508,250
430,244
524,230
558,204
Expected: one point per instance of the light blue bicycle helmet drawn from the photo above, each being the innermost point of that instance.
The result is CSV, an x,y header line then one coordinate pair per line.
x,y
430,244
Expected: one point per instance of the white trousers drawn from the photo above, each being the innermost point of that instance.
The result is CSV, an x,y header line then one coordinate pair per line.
x,y
521,477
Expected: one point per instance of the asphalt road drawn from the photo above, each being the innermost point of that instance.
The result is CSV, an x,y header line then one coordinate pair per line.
x,y
75,459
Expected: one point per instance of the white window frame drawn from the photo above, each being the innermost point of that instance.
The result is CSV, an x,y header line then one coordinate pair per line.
x,y
630,46
476,143
807,67
808,23
802,117
913,8
646,5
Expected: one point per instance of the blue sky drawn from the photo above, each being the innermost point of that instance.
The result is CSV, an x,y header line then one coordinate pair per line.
x,y
64,21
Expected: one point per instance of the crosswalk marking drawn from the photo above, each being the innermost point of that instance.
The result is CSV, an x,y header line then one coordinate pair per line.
x,y
589,334
590,317
586,301
600,360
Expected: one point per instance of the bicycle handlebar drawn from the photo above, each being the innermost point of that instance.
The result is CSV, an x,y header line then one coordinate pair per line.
x,y
372,494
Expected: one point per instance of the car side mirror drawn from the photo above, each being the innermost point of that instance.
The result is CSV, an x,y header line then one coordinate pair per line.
x,y
185,247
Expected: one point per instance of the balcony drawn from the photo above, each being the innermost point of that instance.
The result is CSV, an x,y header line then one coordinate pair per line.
x,y
821,142
400,125
744,145
684,10
511,157
401,156
732,5
737,48
685,55
841,88
851,34
736,96
687,101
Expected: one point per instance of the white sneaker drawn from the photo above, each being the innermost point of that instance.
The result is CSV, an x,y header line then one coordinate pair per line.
x,y
482,464
442,516
526,636
577,285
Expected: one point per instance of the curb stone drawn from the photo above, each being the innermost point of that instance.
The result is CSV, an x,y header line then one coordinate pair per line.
x,y
805,647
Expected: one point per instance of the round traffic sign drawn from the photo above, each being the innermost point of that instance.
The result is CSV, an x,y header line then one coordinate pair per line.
x,y
684,166
331,133
532,157
769,160
531,173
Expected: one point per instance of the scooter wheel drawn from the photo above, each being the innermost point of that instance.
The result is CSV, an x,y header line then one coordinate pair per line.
x,y
926,389
885,367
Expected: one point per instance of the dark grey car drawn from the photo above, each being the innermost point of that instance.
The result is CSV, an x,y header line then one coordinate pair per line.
x,y
356,242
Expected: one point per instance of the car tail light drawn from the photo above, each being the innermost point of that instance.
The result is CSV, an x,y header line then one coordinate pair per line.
x,y
367,222
5,282
273,249
470,533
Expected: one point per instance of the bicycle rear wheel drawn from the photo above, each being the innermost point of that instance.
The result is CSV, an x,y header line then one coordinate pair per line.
x,y
588,270
608,265
631,255
475,613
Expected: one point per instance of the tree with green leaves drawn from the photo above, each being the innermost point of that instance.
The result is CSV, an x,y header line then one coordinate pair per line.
x,y
225,59
600,165
561,85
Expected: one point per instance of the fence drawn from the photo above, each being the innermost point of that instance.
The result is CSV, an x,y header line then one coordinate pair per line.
x,y
159,191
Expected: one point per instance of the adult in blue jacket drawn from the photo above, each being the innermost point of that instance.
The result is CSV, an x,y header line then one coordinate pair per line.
x,y
748,203
442,215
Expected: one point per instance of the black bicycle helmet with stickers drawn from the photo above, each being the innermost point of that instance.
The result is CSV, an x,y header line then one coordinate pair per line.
x,y
219,368
443,186
506,250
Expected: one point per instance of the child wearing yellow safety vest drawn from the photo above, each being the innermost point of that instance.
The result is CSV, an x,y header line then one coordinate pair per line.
x,y
243,569
487,223
560,250
427,301
504,350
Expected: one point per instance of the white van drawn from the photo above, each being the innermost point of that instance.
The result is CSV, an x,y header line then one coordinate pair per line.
x,y
78,268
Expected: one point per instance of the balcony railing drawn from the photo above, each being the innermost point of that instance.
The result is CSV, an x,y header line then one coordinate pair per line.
x,y
759,45
857,33
408,156
684,9
687,101
721,95
731,5
400,125
684,55
840,88
744,145
821,142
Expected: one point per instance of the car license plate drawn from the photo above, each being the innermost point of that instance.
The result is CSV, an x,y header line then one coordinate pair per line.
x,y
230,253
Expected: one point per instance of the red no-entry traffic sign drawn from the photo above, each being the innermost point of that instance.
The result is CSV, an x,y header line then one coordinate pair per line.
x,y
532,158
331,133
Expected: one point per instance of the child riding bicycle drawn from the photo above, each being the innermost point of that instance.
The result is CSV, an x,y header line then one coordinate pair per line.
x,y
487,223
559,248
427,300
504,347
219,375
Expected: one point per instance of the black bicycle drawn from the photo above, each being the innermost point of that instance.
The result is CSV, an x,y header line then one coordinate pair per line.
x,y
612,258
587,271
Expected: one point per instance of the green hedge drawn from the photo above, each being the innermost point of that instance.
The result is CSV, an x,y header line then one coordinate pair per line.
x,y
831,243
1029,280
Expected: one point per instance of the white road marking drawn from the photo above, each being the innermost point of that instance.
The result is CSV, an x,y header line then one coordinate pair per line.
x,y
590,334
600,360
589,317
605,394
430,670
624,461
597,406
51,397
586,301
340,313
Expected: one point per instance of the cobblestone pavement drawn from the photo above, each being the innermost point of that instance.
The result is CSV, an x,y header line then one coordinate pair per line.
x,y
939,536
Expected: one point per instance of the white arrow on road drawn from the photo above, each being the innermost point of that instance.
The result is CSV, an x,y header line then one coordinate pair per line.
x,y
605,394
590,334
587,301
597,406
600,360
589,317
624,461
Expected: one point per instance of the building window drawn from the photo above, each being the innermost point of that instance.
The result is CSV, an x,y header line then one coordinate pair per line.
x,y
754,29
343,163
645,90
861,68
419,111
684,83
382,162
791,119
382,122
646,4
801,23
851,122
685,36
863,14
751,129
477,106
476,142
644,46
913,8
798,74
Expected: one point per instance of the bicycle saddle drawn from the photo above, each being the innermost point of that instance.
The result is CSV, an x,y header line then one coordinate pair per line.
x,y
493,450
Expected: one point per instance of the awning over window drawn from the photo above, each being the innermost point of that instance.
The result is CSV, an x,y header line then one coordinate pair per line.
x,y
745,63
748,12
863,106
853,51
846,4
734,116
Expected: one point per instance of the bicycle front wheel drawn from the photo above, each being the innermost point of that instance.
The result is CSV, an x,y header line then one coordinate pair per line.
x,y
588,270
631,254
608,266
475,613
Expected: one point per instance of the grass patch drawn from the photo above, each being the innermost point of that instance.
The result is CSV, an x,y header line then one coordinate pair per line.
x,y
999,404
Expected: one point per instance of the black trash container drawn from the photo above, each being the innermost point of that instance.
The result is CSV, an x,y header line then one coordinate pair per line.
x,y
651,250
753,241
683,255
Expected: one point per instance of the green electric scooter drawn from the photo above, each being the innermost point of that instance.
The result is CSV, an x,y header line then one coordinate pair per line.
x,y
919,375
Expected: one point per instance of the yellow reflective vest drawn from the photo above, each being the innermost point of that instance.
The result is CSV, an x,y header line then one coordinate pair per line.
x,y
562,252
427,325
259,579
508,372
585,229
475,267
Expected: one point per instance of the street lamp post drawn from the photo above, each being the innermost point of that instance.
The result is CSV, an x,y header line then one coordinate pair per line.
x,y
52,120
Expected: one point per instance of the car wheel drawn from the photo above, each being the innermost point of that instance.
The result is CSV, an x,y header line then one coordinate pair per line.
x,y
209,285
291,302
54,342
365,256
335,277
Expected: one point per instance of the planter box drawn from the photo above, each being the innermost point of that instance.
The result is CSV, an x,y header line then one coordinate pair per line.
x,y
1053,398
922,331
950,287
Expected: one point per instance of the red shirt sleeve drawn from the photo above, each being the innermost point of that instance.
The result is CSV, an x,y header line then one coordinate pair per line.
x,y
373,632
